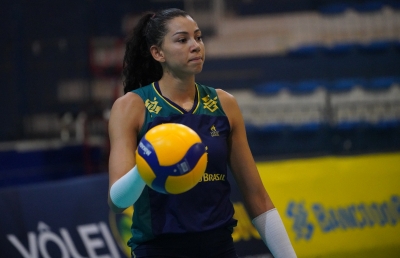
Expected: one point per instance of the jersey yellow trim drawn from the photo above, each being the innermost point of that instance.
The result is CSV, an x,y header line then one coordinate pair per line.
x,y
165,99
198,98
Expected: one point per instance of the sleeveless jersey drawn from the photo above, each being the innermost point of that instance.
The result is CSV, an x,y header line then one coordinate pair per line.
x,y
207,205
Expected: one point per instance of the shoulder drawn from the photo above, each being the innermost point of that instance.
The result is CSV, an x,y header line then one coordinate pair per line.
x,y
128,103
224,97
230,107
227,100
128,111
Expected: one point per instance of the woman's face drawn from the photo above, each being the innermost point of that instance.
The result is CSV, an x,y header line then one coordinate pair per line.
x,y
183,48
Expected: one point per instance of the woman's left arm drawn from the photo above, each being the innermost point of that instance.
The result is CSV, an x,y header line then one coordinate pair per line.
x,y
241,160
264,216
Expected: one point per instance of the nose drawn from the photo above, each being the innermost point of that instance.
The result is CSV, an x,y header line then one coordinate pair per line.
x,y
195,46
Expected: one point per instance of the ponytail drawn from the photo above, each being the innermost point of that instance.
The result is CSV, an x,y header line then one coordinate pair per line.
x,y
139,66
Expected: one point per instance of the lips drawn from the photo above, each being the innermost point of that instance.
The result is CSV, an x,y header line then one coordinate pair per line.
x,y
195,59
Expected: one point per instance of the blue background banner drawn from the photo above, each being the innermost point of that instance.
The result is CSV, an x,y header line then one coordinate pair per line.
x,y
63,219
71,218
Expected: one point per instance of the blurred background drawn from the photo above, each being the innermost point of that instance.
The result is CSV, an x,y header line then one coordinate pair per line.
x,y
313,78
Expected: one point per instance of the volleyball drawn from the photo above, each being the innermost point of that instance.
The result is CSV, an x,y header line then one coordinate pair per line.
x,y
171,158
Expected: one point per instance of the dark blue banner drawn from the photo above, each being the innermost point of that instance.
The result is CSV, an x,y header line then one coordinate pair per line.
x,y
71,219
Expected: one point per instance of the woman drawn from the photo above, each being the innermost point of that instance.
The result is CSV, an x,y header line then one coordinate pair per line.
x,y
162,57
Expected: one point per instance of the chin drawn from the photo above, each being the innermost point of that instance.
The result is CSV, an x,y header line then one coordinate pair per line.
x,y
198,69
193,70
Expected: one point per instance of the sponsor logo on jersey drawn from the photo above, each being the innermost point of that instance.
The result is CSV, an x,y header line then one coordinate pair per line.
x,y
210,104
214,132
152,106
212,177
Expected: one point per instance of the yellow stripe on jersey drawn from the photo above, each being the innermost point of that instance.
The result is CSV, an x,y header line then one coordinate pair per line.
x,y
164,98
198,98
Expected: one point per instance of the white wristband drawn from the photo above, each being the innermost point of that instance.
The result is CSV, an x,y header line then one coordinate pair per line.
x,y
126,190
272,231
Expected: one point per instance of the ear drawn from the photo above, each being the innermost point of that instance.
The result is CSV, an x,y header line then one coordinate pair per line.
x,y
157,53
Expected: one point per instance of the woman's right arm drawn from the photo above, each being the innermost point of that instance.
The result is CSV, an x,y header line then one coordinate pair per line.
x,y
126,121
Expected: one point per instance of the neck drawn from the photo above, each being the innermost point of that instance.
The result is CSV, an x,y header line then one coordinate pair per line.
x,y
179,90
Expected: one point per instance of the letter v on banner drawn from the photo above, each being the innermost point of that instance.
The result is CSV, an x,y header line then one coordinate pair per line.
x,y
33,249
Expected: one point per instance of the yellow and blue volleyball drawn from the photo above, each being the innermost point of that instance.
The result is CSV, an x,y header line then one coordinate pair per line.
x,y
171,158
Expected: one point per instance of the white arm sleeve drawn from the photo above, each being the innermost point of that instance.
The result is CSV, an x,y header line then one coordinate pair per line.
x,y
126,190
272,231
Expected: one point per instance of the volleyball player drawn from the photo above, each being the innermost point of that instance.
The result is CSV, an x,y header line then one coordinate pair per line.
x,y
163,55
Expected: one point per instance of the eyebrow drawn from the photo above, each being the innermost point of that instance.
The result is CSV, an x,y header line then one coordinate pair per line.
x,y
185,32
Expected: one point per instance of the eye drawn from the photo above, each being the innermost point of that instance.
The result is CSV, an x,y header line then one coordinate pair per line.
x,y
182,40
200,38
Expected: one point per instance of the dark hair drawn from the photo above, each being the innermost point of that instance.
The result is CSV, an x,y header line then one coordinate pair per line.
x,y
139,67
